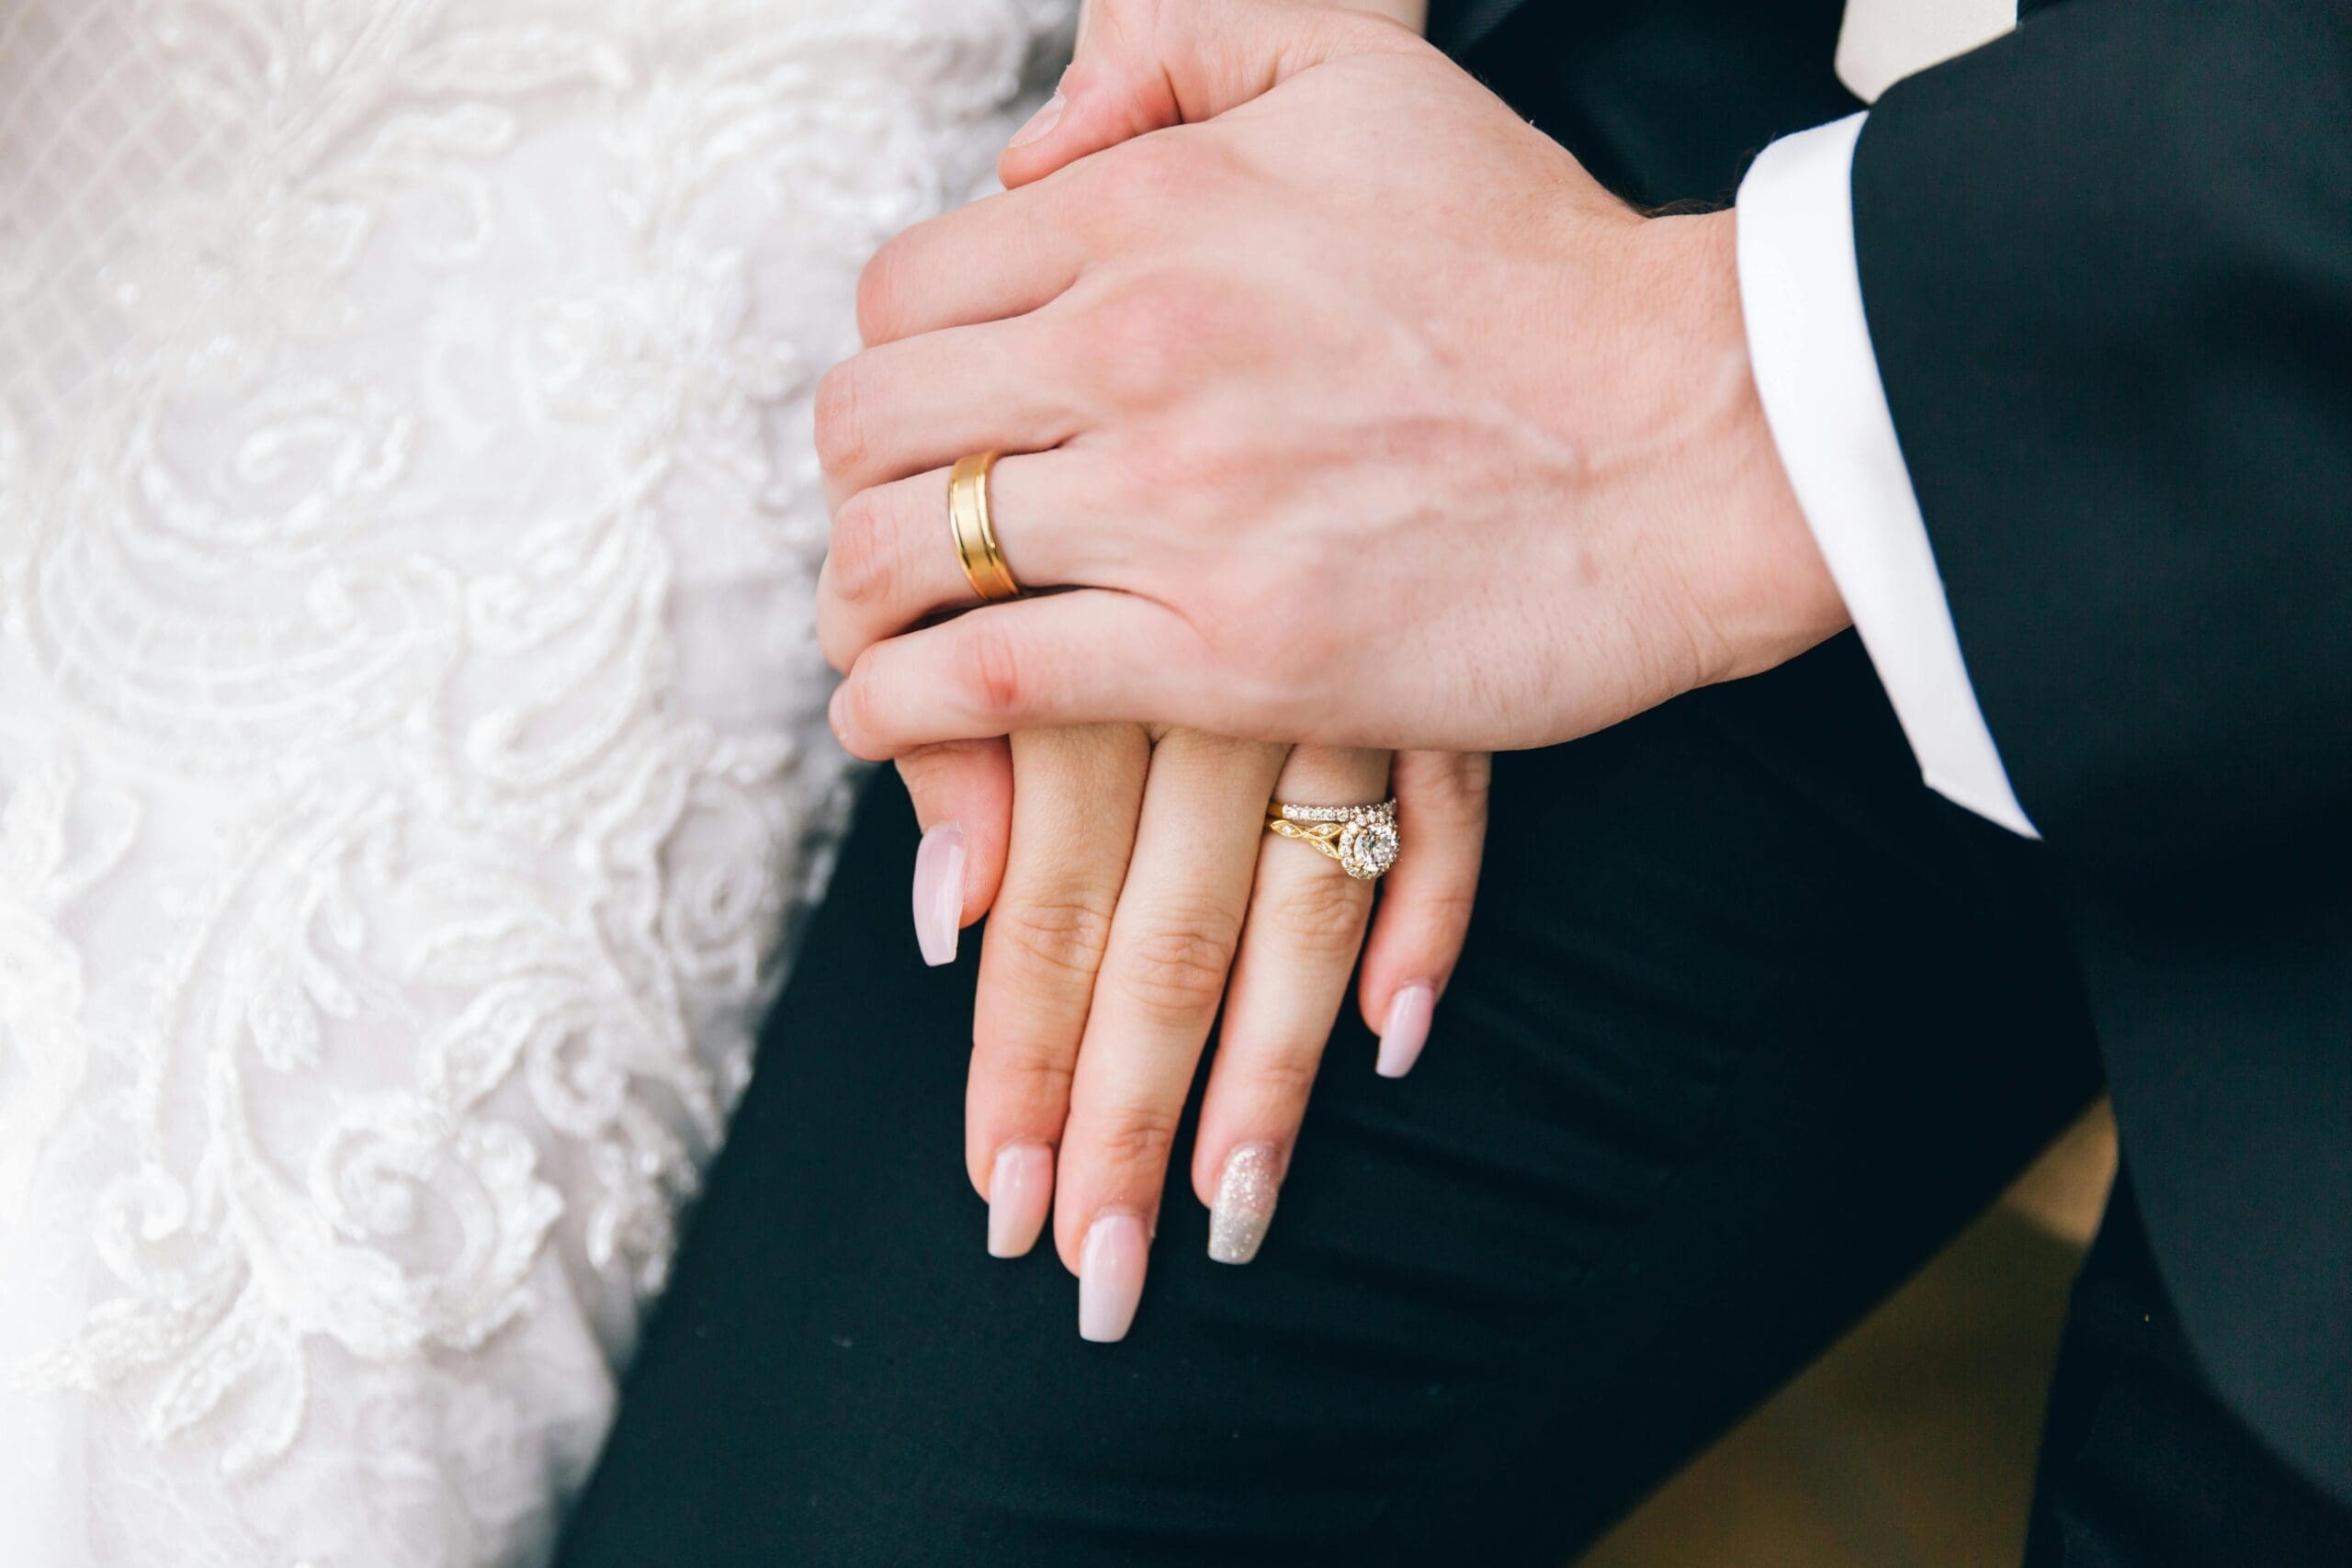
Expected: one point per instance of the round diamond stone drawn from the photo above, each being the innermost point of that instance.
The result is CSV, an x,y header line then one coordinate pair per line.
x,y
1369,847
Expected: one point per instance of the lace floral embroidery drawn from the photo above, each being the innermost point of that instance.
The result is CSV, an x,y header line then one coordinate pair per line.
x,y
412,742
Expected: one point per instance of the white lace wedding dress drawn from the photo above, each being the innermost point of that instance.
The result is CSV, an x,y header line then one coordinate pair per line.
x,y
410,730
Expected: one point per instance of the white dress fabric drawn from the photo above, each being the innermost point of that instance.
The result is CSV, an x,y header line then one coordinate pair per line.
x,y
411,740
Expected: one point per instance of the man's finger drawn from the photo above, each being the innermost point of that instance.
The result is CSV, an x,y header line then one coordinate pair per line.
x,y
896,410
1088,656
1143,65
1000,257
891,563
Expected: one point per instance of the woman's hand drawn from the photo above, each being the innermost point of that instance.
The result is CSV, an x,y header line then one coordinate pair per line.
x,y
1139,890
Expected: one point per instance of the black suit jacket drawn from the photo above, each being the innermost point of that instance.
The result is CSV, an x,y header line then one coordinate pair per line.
x,y
2107,263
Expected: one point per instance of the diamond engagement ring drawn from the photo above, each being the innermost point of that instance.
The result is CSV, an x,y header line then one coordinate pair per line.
x,y
1362,839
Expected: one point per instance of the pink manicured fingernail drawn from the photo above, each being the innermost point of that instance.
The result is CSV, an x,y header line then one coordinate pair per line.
x,y
1049,114
1110,1276
1021,1189
939,893
1407,1032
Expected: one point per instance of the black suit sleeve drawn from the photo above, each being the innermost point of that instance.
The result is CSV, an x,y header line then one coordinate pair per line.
x,y
2107,263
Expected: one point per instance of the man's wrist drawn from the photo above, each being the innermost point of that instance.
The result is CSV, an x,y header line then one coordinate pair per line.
x,y
1762,592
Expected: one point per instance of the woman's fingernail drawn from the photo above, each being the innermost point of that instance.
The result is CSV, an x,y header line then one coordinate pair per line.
x,y
939,893
1252,1179
1021,1189
1407,1032
1110,1276
1049,114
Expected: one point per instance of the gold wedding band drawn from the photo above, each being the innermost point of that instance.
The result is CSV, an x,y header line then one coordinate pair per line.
x,y
1362,839
975,534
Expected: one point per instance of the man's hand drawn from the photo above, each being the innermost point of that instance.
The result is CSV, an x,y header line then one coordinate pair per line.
x,y
1349,406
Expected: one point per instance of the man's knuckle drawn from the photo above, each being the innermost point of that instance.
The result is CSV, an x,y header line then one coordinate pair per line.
x,y
861,702
1150,175
1143,340
840,438
1261,625
838,639
864,563
882,292
1144,459
1171,174
996,674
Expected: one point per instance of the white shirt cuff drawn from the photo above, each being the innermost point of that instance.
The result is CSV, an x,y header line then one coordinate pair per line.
x,y
1809,342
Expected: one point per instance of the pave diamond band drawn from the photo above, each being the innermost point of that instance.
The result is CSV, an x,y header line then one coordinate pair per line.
x,y
1362,839
1335,812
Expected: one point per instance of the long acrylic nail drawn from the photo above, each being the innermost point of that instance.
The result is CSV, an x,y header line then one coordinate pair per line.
x,y
1110,1276
1021,1190
1040,125
1246,1191
939,893
1407,1032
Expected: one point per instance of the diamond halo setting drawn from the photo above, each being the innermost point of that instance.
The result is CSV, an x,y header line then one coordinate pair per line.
x,y
1368,847
1364,839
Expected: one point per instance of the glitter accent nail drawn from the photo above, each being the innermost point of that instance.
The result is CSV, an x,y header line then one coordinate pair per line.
x,y
1244,1203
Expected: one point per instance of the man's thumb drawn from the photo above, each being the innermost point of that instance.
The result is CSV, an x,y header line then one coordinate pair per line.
x,y
1143,65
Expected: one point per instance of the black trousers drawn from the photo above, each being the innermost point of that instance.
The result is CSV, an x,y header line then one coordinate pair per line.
x,y
1749,1025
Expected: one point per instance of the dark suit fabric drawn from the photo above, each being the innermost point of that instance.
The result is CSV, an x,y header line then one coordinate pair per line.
x,y
2108,266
